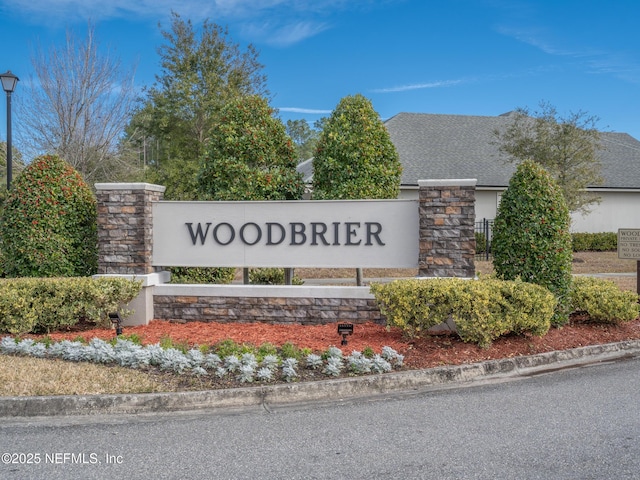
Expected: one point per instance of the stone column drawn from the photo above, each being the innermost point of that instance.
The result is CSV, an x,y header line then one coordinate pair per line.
x,y
447,233
125,227
125,240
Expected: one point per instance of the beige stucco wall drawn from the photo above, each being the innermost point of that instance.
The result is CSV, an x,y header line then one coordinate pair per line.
x,y
618,209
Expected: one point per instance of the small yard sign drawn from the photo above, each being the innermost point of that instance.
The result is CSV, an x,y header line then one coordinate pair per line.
x,y
629,243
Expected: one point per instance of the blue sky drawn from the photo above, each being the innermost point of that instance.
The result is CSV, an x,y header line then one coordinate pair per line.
x,y
471,57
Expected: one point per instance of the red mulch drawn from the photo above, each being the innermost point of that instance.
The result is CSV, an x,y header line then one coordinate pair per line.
x,y
419,353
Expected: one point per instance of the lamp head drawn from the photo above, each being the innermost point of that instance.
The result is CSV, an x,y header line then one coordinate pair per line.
x,y
9,81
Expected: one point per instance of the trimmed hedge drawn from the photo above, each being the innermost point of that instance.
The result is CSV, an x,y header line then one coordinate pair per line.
x,y
206,275
270,276
482,310
603,301
594,242
39,305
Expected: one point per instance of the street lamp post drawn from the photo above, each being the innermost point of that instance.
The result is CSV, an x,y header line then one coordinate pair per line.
x,y
9,82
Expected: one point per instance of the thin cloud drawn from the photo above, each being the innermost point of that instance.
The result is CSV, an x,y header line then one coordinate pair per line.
x,y
304,110
594,61
285,35
539,39
418,86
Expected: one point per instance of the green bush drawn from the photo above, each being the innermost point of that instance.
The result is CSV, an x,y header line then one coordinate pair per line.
x,y
222,275
482,310
603,301
531,238
270,276
355,157
48,227
594,242
249,155
481,242
44,304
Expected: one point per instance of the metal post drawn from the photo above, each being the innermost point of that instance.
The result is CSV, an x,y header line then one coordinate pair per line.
x,y
9,147
486,238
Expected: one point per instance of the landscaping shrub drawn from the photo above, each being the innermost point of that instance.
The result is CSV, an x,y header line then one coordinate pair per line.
x,y
270,276
594,242
48,227
481,242
482,310
44,304
531,238
603,301
222,275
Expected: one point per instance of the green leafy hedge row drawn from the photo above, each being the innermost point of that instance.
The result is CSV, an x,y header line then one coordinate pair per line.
x,y
40,305
580,242
594,242
603,301
482,310
485,309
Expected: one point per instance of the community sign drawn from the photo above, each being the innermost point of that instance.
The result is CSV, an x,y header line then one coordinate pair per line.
x,y
329,234
629,243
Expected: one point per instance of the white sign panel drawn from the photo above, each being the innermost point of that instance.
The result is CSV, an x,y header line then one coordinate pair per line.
x,y
629,243
331,234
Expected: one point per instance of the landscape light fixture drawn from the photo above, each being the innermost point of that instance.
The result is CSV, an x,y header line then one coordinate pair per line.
x,y
9,82
117,321
345,329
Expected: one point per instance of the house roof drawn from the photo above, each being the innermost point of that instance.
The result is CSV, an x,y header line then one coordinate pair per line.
x,y
433,146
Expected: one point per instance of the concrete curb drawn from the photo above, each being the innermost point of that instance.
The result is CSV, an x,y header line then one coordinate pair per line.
x,y
320,391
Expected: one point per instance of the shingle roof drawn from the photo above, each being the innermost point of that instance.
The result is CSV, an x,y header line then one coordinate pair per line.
x,y
433,146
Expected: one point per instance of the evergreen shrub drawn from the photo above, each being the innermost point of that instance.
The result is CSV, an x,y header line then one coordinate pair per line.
x,y
603,301
205,275
482,310
531,238
249,156
355,157
48,227
594,242
40,305
270,276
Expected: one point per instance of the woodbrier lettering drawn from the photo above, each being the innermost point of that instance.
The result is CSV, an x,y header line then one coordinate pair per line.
x,y
292,233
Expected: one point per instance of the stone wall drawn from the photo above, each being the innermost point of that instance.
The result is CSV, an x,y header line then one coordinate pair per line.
x,y
447,235
125,227
300,305
125,235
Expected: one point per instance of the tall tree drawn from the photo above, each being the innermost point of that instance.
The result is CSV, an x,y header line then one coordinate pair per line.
x,y
249,156
567,147
77,108
304,138
202,70
355,157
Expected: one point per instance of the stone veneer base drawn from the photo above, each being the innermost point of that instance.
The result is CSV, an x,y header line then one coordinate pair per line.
x,y
311,305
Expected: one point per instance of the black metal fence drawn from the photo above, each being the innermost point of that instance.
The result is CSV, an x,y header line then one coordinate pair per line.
x,y
484,234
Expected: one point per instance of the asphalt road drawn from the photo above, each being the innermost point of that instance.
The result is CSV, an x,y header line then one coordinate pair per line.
x,y
581,423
